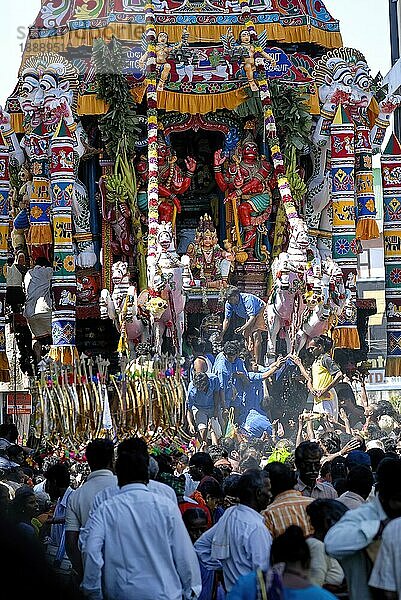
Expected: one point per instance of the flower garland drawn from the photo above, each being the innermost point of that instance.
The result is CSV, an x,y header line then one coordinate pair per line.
x,y
269,120
153,165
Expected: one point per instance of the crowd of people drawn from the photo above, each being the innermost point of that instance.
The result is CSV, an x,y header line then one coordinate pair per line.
x,y
246,518
288,487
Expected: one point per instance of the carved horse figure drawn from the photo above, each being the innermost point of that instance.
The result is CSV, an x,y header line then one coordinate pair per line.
x,y
167,284
122,306
289,271
329,304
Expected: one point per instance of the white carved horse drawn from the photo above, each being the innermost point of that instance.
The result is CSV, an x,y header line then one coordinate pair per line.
x,y
288,273
331,303
166,271
122,305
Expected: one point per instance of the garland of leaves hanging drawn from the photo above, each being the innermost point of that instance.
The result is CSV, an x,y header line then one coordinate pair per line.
x,y
293,120
119,126
120,132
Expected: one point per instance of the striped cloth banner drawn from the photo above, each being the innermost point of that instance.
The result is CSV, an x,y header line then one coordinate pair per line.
x,y
64,285
345,245
391,176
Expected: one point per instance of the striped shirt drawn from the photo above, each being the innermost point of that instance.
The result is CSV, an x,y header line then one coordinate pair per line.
x,y
288,508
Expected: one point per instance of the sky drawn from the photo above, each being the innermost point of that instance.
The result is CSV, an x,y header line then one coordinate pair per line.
x,y
364,25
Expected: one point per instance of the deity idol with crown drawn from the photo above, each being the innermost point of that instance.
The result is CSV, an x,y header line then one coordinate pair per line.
x,y
173,181
247,180
210,264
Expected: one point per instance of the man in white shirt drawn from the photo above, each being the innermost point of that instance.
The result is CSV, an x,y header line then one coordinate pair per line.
x,y
354,539
137,545
386,574
359,486
99,454
240,542
135,444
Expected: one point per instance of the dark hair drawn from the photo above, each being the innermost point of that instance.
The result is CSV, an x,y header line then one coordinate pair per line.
x,y
230,485
360,481
282,477
331,441
210,487
291,547
322,510
247,463
14,451
340,485
229,444
133,444
9,430
203,461
132,466
42,261
99,454
388,476
376,456
338,468
325,469
59,474
249,483
232,292
192,514
165,463
231,348
326,342
304,448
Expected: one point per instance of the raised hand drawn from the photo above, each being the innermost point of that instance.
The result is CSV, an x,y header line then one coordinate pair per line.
x,y
219,158
190,163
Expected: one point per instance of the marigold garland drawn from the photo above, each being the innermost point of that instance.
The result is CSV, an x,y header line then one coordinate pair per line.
x,y
269,120
153,166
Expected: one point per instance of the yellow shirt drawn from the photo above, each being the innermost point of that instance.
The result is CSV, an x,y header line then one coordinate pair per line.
x,y
324,369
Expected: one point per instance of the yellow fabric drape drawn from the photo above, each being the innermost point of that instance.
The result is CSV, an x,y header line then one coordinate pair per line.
x,y
91,105
373,111
367,229
393,366
4,368
130,32
313,102
200,103
17,120
66,355
346,337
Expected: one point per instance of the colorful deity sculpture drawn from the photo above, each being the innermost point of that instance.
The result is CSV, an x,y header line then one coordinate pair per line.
x,y
247,180
57,217
165,52
48,92
172,180
210,264
243,51
343,77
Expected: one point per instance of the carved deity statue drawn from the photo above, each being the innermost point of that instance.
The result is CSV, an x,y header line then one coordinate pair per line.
x,y
48,92
172,180
209,262
244,52
342,77
248,180
164,52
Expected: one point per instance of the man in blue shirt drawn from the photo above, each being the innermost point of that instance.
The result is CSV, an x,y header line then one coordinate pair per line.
x,y
227,366
203,404
248,307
